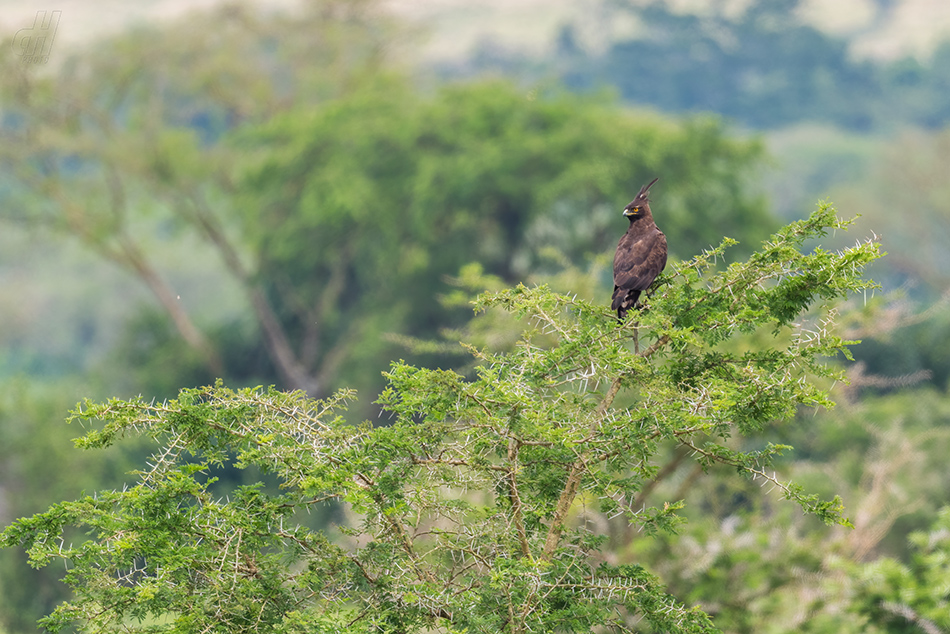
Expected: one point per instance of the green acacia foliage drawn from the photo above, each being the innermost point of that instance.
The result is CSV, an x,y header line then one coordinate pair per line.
x,y
467,511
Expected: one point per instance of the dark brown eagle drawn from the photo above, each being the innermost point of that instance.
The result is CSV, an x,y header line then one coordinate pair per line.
x,y
641,254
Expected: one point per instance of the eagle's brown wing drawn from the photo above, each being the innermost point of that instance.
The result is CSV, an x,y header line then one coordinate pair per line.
x,y
636,264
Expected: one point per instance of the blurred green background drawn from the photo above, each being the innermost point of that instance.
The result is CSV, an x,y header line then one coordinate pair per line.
x,y
298,193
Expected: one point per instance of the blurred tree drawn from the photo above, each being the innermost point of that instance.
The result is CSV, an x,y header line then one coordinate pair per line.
x,y
344,197
130,128
897,597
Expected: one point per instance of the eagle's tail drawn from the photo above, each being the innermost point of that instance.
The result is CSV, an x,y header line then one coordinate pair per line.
x,y
624,301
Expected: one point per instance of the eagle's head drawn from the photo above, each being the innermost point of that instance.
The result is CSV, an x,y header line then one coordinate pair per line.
x,y
640,205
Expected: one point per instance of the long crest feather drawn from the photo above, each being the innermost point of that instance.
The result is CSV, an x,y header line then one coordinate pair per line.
x,y
641,197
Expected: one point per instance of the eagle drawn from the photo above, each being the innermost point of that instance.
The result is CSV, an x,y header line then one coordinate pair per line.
x,y
641,254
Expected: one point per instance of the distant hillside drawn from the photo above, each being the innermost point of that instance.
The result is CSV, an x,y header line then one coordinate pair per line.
x,y
885,29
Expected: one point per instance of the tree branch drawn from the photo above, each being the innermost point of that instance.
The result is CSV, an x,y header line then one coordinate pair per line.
x,y
515,498
576,474
291,370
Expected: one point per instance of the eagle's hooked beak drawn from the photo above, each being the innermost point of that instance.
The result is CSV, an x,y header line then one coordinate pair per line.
x,y
631,211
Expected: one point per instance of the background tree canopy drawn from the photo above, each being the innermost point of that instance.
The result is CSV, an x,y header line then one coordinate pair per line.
x,y
340,221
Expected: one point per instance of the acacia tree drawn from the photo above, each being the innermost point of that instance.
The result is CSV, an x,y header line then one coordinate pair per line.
x,y
467,511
